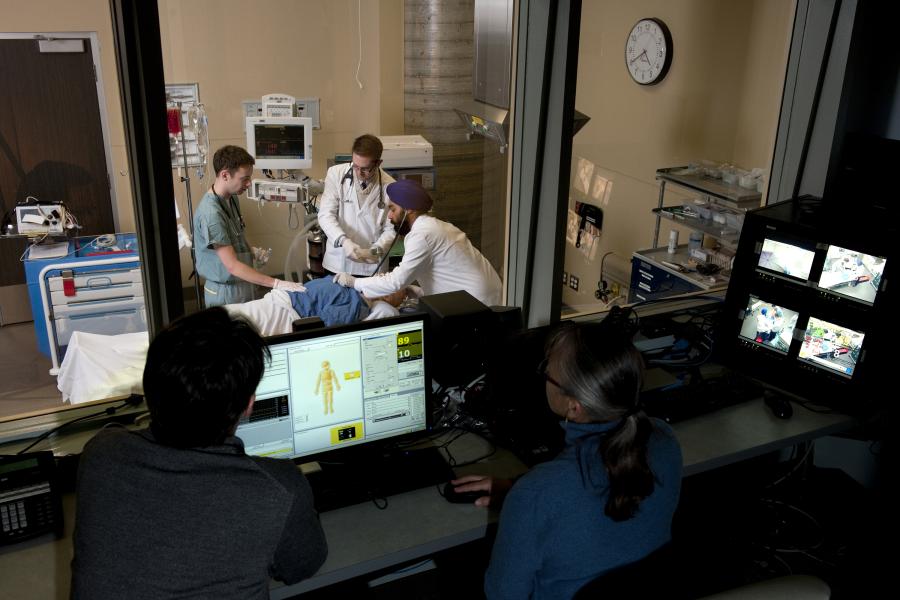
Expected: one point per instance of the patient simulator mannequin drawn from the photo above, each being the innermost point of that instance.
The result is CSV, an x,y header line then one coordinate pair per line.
x,y
327,380
333,303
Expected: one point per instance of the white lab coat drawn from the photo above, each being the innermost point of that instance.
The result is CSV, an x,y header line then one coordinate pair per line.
x,y
341,214
442,259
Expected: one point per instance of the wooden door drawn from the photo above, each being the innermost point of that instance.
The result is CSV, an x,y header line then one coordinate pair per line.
x,y
51,140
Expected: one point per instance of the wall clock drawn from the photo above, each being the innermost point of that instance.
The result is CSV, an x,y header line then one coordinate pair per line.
x,y
648,51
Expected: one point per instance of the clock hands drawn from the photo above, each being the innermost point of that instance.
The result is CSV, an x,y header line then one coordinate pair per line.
x,y
643,53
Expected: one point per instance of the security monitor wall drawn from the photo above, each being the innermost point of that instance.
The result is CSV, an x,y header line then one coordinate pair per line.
x,y
829,279
830,346
768,325
852,274
786,259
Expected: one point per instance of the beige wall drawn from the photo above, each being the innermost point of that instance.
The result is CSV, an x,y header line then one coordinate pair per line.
x,y
719,101
237,51
47,16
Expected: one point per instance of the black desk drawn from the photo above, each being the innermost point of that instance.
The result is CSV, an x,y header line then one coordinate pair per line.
x,y
363,539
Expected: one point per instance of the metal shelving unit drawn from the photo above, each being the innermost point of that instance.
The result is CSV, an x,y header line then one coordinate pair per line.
x,y
655,272
726,235
727,195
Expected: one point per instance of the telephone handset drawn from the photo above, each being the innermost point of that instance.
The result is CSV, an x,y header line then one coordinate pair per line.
x,y
30,502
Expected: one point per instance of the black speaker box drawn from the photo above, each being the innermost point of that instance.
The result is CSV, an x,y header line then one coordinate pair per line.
x,y
462,328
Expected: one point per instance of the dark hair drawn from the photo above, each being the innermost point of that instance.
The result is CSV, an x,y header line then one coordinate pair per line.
x,y
231,158
200,374
369,146
600,367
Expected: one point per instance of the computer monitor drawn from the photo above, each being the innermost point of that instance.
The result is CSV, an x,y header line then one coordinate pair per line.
x,y
339,387
786,259
852,274
280,142
768,325
831,346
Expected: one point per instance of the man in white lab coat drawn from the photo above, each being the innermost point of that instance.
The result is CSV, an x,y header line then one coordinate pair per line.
x,y
353,213
437,254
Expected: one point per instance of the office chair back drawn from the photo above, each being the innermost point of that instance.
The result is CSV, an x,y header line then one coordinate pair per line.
x,y
654,576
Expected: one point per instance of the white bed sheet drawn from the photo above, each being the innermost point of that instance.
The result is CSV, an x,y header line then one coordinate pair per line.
x,y
97,367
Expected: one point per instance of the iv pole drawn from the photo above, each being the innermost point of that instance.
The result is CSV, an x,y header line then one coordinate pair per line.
x,y
186,180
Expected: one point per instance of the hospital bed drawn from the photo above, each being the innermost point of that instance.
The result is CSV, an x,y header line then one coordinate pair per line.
x,y
97,366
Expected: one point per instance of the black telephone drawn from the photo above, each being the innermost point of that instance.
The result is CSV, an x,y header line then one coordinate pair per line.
x,y
589,214
30,502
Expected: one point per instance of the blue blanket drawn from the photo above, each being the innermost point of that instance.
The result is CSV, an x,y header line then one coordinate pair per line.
x,y
331,302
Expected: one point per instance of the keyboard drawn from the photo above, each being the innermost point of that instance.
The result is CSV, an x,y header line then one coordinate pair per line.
x,y
699,398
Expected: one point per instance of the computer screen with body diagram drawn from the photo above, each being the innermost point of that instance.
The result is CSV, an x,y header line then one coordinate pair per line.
x,y
337,387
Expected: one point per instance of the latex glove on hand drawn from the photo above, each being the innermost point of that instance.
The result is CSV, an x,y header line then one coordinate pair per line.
x,y
364,256
350,247
345,279
288,286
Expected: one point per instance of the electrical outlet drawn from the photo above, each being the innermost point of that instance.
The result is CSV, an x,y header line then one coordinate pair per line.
x,y
309,107
614,289
573,282
565,278
252,108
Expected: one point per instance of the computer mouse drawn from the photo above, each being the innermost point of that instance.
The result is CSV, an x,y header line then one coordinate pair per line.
x,y
451,495
779,405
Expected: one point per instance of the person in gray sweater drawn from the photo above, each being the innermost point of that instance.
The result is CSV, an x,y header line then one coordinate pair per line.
x,y
178,509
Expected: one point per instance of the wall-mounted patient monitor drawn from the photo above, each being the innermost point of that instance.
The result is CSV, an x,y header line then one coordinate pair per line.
x,y
280,142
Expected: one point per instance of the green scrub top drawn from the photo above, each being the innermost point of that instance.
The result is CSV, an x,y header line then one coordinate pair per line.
x,y
217,222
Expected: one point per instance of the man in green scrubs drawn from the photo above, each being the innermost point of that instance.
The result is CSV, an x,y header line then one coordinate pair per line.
x,y
224,258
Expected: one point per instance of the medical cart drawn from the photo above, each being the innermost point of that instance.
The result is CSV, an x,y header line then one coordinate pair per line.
x,y
96,288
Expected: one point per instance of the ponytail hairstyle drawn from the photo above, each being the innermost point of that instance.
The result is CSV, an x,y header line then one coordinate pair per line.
x,y
601,368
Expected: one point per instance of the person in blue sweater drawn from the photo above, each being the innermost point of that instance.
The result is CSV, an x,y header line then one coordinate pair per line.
x,y
608,499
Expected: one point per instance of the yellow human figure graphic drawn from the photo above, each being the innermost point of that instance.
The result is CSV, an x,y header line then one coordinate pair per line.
x,y
327,380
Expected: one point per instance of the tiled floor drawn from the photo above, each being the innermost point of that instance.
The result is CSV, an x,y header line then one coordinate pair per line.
x,y
25,382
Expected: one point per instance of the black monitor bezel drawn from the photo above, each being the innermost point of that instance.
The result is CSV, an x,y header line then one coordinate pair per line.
x,y
752,343
362,326
812,365
817,280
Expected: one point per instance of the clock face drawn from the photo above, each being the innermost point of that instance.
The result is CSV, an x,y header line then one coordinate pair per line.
x,y
648,51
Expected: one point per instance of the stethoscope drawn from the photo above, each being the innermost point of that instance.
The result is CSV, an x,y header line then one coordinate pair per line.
x,y
235,208
349,176
393,242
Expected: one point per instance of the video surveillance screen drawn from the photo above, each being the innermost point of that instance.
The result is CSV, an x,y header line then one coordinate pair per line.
x,y
786,259
852,274
831,346
768,325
